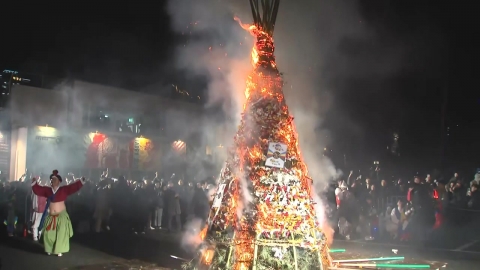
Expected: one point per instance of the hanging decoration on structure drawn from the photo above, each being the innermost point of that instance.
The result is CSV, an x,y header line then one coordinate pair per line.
x,y
276,155
263,215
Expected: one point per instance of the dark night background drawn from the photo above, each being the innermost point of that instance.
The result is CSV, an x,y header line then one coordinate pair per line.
x,y
129,45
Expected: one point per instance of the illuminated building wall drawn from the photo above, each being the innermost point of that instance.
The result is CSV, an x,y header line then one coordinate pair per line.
x,y
4,154
18,153
104,151
77,141
47,148
42,149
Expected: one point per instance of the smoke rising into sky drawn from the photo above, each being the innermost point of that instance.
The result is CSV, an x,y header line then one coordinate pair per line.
x,y
334,62
220,49
323,49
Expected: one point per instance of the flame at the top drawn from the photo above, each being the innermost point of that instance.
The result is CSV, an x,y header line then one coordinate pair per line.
x,y
262,52
283,212
265,83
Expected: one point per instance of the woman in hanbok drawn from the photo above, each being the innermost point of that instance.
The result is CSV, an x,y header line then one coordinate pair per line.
x,y
56,225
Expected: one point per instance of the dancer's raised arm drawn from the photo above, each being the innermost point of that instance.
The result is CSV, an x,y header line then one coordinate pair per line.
x,y
74,187
40,190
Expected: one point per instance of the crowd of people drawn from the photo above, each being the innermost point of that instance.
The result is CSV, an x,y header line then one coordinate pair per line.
x,y
107,203
401,210
360,208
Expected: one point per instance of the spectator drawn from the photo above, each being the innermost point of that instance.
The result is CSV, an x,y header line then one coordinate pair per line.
x,y
474,198
397,221
173,207
158,214
200,204
102,206
368,218
423,217
122,206
142,207
476,179
454,179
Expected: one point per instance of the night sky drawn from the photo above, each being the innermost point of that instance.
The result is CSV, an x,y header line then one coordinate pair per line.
x,y
130,45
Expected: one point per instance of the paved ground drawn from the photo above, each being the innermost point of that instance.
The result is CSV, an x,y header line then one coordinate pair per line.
x,y
95,251
20,254
455,246
438,258
155,250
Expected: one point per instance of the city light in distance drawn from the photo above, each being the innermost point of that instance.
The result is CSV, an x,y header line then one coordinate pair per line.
x,y
179,145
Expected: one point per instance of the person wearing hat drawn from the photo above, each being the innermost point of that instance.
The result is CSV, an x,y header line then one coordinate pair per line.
x,y
476,178
56,225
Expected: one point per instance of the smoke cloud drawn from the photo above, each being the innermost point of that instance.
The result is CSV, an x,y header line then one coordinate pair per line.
x,y
191,238
215,47
318,47
218,48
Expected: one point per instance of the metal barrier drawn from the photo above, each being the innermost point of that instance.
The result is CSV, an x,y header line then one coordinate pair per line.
x,y
452,213
453,208
390,201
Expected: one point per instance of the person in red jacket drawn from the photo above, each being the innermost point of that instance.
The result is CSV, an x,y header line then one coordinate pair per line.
x,y
57,227
39,204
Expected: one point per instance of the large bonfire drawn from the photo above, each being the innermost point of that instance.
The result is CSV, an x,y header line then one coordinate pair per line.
x,y
263,215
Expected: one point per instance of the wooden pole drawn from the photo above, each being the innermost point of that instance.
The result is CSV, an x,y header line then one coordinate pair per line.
x,y
320,259
275,13
254,12
265,13
264,16
294,253
255,251
257,19
230,252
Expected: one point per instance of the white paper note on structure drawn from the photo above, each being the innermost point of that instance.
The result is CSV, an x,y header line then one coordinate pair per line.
x,y
217,202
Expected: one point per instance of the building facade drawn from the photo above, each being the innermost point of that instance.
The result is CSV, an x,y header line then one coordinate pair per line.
x,y
85,128
10,78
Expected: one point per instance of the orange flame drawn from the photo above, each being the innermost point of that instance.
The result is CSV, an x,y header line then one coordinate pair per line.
x,y
203,233
265,83
207,256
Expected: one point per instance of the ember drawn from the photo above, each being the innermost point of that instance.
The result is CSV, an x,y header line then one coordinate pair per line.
x,y
278,228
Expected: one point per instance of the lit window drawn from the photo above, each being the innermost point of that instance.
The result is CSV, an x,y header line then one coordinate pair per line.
x,y
179,146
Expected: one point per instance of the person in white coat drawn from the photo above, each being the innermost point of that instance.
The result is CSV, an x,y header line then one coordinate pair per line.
x,y
39,204
398,222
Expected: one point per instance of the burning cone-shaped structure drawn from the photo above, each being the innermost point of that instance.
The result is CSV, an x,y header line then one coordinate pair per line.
x,y
263,214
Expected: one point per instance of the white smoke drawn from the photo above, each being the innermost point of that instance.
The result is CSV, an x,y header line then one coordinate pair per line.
x,y
220,49
191,239
214,47
246,196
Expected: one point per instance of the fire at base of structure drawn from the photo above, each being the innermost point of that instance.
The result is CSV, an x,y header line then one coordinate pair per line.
x,y
263,216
